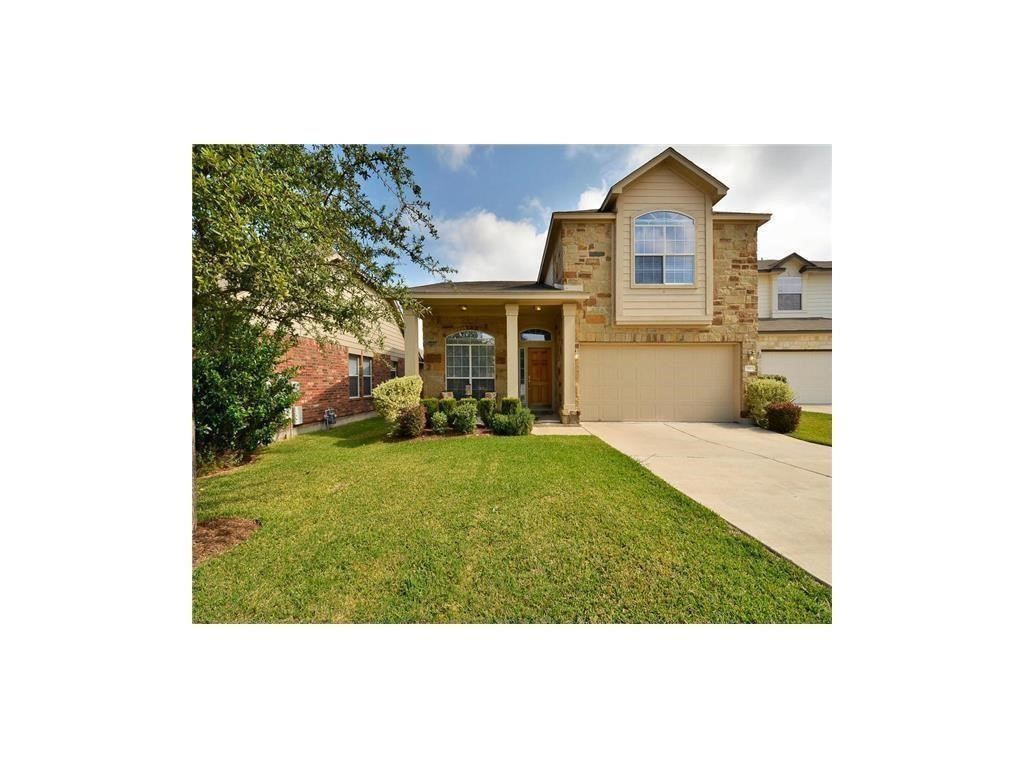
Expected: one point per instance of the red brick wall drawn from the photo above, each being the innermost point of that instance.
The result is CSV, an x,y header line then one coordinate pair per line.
x,y
323,379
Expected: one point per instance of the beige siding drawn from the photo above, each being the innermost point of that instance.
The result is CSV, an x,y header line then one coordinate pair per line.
x,y
394,341
660,189
764,295
818,294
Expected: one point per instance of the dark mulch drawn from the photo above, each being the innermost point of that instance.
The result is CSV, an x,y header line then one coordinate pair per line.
x,y
217,536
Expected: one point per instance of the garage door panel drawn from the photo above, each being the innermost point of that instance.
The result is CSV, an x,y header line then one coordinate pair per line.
x,y
809,373
671,382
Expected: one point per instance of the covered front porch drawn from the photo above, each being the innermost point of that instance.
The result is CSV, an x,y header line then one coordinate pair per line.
x,y
514,341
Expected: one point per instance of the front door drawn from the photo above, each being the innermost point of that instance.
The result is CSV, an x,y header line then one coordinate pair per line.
x,y
538,378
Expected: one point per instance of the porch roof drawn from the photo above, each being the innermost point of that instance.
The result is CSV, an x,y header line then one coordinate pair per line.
x,y
507,290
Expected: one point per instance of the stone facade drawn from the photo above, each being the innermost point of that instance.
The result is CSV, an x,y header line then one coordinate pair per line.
x,y
438,325
796,341
586,253
322,377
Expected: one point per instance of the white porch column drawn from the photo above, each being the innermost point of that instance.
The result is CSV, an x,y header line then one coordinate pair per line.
x,y
568,362
512,349
412,344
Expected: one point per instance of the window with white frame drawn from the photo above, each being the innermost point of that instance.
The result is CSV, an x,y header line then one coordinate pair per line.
x,y
393,370
790,292
664,249
360,376
469,363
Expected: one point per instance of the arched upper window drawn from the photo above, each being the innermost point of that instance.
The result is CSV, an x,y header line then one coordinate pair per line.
x,y
469,363
664,249
535,334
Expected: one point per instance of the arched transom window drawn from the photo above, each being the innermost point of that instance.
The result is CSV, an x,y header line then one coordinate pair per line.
x,y
664,250
535,334
469,363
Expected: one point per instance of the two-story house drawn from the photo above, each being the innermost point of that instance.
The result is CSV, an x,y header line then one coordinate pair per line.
x,y
794,307
644,309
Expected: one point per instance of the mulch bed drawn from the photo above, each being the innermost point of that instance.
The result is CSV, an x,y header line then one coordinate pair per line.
x,y
217,536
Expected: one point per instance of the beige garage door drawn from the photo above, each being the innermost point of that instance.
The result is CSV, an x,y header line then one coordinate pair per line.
x,y
668,382
809,373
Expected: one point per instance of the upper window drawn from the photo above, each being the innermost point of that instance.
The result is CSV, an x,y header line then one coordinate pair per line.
x,y
664,249
469,363
790,292
535,334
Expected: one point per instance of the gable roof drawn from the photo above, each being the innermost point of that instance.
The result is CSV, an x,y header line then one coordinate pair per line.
x,y
778,265
690,169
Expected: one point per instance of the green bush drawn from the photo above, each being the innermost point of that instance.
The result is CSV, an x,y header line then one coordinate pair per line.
x,y
485,408
439,422
519,422
776,376
447,406
410,422
430,404
760,392
239,397
392,397
510,405
464,400
782,417
463,420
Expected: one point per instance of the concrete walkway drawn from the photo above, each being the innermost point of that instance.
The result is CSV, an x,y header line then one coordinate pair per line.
x,y
817,408
773,487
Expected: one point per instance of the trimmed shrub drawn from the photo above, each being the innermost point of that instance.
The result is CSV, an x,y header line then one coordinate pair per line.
x,y
446,406
392,397
439,422
410,422
430,404
464,400
760,392
510,405
463,419
782,417
776,376
520,422
485,408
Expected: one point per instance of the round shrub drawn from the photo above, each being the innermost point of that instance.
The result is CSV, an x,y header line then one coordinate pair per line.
x,y
776,376
410,422
439,422
485,409
430,405
392,397
519,422
470,400
510,405
760,392
782,417
447,405
463,419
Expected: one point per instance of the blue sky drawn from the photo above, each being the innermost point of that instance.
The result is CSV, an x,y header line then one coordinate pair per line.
x,y
491,204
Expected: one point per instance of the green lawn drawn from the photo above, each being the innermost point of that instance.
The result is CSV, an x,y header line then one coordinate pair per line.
x,y
481,529
814,428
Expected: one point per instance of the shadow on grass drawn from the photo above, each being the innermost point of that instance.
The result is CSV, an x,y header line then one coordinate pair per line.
x,y
354,435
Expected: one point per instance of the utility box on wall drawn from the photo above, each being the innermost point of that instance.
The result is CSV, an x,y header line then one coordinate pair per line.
x,y
296,415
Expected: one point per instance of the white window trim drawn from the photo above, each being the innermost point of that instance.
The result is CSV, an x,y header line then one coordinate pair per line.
x,y
779,293
633,256
469,356
359,375
362,378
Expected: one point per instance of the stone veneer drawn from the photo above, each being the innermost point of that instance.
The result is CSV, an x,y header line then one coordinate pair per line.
x,y
797,341
438,325
586,251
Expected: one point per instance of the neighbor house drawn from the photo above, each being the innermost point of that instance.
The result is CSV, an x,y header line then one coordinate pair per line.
x,y
794,310
645,308
341,375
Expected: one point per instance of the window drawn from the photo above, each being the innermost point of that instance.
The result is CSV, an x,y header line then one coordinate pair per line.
x,y
664,249
790,291
360,376
353,375
535,334
394,369
367,376
469,363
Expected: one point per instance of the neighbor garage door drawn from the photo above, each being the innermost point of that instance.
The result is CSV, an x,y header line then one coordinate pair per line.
x,y
668,382
809,373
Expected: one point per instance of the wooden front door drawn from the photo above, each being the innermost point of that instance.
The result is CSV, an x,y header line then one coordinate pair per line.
x,y
538,377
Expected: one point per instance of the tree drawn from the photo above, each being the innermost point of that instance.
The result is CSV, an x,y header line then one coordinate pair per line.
x,y
291,239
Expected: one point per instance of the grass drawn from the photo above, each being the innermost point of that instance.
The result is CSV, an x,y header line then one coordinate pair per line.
x,y
814,428
481,529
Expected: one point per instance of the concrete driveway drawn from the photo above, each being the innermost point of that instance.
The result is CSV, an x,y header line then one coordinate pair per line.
x,y
776,488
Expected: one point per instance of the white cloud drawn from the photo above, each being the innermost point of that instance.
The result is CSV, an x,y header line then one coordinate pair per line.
x,y
533,207
454,156
484,247
592,197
